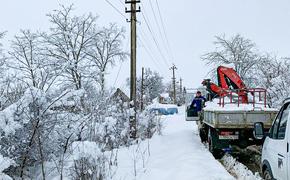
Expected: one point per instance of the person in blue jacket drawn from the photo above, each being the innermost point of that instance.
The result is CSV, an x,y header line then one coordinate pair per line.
x,y
198,101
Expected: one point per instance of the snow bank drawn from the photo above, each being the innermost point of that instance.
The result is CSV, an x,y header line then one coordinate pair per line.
x,y
214,106
238,169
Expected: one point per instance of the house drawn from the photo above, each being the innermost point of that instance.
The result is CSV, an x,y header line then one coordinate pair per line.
x,y
120,95
164,98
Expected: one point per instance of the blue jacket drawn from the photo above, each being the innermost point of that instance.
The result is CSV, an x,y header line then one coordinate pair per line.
x,y
197,102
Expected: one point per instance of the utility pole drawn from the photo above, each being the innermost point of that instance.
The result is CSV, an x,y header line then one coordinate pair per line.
x,y
180,85
142,90
183,95
180,90
173,68
133,78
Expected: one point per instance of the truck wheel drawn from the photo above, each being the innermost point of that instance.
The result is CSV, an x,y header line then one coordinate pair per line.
x,y
267,175
202,135
217,153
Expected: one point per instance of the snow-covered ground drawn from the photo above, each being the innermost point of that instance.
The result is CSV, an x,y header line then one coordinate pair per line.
x,y
177,154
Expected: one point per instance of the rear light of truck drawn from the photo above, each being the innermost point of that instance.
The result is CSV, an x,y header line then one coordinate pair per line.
x,y
230,135
226,133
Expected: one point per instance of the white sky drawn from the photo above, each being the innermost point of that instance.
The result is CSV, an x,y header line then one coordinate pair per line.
x,y
190,25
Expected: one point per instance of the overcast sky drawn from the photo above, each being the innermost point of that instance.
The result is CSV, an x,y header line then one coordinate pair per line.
x,y
190,26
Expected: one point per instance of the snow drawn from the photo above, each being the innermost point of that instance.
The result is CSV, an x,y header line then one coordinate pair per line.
x,y
214,106
4,164
8,117
158,105
240,170
84,149
165,95
178,154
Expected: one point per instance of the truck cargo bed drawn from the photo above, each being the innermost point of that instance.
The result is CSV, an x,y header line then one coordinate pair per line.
x,y
239,119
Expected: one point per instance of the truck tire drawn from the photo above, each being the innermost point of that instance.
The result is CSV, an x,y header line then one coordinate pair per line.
x,y
203,135
217,153
267,174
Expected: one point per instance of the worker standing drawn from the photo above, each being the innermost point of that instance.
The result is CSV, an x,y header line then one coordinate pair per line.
x,y
198,101
197,104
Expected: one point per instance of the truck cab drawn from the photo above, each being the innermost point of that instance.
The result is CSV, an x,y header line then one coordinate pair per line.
x,y
275,161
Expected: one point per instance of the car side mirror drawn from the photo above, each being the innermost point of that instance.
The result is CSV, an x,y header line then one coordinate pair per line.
x,y
259,132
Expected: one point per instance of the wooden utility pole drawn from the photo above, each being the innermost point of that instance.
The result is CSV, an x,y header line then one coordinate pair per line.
x,y
133,78
142,90
180,91
173,68
180,86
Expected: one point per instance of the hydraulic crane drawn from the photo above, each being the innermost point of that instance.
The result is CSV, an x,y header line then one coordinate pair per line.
x,y
228,79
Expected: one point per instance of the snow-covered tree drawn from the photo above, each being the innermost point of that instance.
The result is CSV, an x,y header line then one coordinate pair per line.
x,y
67,43
273,74
237,52
106,51
153,86
29,62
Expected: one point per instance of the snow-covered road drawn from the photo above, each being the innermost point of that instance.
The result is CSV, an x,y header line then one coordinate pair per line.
x,y
178,154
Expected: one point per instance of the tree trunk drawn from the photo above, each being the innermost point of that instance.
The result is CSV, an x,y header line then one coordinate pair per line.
x,y
41,157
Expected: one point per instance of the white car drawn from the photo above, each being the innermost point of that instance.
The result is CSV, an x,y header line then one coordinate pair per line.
x,y
275,154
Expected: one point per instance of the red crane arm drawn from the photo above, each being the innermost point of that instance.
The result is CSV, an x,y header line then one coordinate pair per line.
x,y
227,79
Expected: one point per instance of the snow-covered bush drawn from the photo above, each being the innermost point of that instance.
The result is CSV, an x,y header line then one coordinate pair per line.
x,y
4,164
89,162
148,123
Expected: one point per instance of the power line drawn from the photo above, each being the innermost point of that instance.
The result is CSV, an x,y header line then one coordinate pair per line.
x,y
146,44
163,27
122,2
118,74
116,9
159,29
154,39
150,54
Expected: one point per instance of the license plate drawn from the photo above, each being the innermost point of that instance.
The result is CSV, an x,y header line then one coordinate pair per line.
x,y
229,137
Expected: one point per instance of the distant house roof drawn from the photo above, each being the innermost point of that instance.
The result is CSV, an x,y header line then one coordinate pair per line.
x,y
164,95
120,94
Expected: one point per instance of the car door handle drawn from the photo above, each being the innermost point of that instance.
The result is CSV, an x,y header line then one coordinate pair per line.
x,y
280,161
280,155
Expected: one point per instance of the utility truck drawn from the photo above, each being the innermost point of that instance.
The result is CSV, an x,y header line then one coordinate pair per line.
x,y
229,115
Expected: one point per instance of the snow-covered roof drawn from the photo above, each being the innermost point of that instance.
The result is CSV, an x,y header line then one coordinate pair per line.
x,y
164,95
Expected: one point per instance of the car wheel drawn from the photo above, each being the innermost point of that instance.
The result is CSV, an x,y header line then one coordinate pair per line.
x,y
267,175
